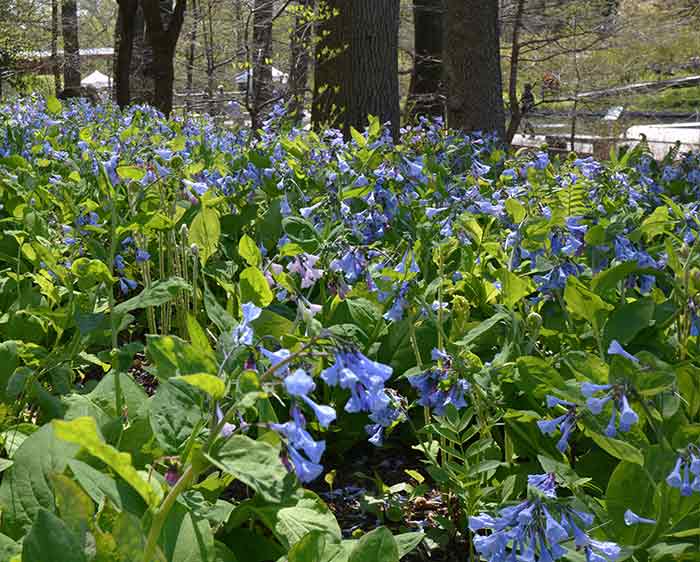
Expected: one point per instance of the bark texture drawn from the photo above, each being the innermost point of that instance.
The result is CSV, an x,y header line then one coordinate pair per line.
x,y
299,45
425,92
71,48
263,91
359,77
472,65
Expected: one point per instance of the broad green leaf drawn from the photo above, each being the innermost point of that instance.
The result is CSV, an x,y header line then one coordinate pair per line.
x,y
197,335
618,449
211,384
173,356
205,232
630,487
256,464
159,293
51,540
91,272
629,319
100,486
74,505
176,412
582,302
83,432
376,546
254,287
656,223
515,210
131,173
9,548
53,106
25,485
309,549
187,538
249,251
8,363
407,542
513,287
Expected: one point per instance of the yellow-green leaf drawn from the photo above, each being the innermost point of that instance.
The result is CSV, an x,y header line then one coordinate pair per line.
x,y
249,251
254,287
205,232
83,432
211,384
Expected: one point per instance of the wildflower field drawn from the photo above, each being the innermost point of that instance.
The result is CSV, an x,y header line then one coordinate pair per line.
x,y
201,329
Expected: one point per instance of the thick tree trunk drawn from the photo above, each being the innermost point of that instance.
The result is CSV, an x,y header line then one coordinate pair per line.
x,y
472,64
361,76
142,81
425,97
263,91
299,59
374,64
332,64
124,41
163,26
55,66
71,48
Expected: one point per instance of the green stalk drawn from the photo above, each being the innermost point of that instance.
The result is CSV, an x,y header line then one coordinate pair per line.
x,y
161,515
118,397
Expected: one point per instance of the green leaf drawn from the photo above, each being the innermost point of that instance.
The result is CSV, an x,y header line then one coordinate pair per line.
x,y
254,287
74,505
91,272
582,302
50,540
131,173
515,210
83,432
53,106
309,549
8,363
249,251
630,487
513,287
197,335
629,319
159,293
407,542
618,449
187,538
99,486
173,356
211,384
256,464
205,232
608,280
25,485
176,412
377,546
656,223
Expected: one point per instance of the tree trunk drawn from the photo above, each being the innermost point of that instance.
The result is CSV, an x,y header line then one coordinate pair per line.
x,y
424,96
361,77
263,91
191,53
515,112
163,26
331,64
55,66
472,64
374,64
124,41
71,48
142,81
208,39
299,63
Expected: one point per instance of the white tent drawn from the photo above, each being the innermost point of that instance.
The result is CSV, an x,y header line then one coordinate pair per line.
x,y
277,76
96,80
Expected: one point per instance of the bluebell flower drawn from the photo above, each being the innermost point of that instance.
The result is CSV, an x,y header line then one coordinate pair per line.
x,y
126,285
228,428
631,518
242,334
299,383
276,357
142,256
119,263
616,349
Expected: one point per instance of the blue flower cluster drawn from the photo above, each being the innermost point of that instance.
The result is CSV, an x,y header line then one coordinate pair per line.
x,y
565,423
440,385
687,463
618,395
535,529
